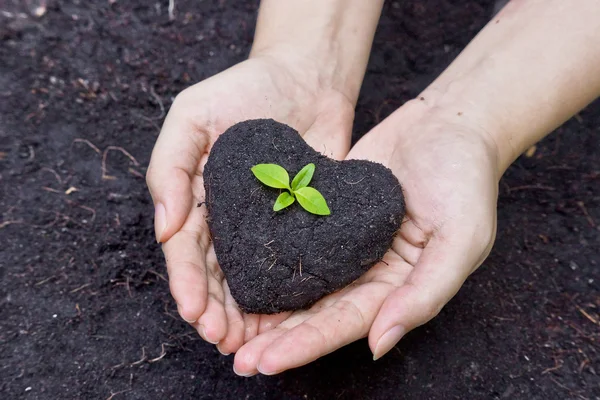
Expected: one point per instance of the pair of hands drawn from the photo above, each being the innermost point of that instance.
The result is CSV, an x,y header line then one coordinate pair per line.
x,y
449,174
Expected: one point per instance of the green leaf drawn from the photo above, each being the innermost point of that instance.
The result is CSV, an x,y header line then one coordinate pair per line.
x,y
285,199
312,201
272,175
302,178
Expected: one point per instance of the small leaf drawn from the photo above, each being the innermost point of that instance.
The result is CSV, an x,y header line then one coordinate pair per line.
x,y
302,178
285,199
312,201
272,175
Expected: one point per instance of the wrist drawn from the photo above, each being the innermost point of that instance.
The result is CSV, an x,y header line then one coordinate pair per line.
x,y
330,40
315,71
455,107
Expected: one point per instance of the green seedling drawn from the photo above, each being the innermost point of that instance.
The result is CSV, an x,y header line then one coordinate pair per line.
x,y
277,177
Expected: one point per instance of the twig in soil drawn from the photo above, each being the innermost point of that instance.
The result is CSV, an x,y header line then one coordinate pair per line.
x,y
161,356
300,267
271,266
588,316
394,188
90,144
141,360
148,119
159,101
31,153
355,183
583,365
45,280
168,313
568,390
531,187
126,284
104,337
171,10
90,209
252,193
49,189
105,176
80,288
557,365
53,172
502,318
135,173
112,395
9,222
161,276
262,262
590,220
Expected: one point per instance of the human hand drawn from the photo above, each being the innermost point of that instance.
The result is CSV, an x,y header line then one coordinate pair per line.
x,y
449,173
287,90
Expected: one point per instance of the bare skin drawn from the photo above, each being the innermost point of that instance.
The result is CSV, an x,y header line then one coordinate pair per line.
x,y
308,90
535,65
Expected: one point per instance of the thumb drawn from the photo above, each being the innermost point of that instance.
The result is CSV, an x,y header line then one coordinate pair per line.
x,y
439,273
331,133
175,161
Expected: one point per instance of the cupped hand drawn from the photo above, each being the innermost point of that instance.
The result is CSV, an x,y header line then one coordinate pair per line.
x,y
289,91
449,174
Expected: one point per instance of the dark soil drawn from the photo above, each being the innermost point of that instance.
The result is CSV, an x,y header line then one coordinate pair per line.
x,y
85,311
287,260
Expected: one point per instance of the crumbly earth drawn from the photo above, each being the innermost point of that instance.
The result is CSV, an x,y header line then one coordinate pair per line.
x,y
287,260
84,310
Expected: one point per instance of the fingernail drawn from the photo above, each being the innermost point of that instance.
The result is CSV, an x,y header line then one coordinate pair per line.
x,y
202,332
387,341
221,351
244,375
182,317
259,368
160,221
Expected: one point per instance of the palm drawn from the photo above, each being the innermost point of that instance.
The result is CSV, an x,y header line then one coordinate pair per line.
x,y
256,88
450,190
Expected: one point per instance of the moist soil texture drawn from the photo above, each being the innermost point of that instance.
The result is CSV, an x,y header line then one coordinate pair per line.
x,y
85,310
287,260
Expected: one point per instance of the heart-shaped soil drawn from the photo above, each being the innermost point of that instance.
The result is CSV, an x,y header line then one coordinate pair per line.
x,y
287,260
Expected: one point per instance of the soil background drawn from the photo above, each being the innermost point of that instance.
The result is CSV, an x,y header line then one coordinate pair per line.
x,y
85,310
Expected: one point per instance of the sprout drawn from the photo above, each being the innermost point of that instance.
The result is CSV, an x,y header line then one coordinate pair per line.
x,y
277,177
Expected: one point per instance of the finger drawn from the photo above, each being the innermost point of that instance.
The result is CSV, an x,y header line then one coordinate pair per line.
x,y
438,275
246,358
175,161
346,320
185,254
251,322
235,329
331,132
268,322
213,323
